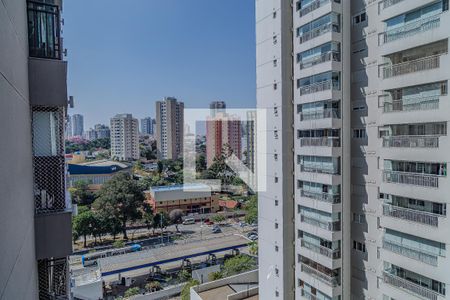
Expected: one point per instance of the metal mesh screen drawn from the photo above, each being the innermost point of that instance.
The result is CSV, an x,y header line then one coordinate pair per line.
x,y
48,159
53,276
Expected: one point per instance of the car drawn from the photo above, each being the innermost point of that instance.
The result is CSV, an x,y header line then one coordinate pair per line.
x,y
242,224
189,221
209,222
253,237
252,233
216,229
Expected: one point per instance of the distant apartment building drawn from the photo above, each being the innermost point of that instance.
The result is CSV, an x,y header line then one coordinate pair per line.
x,y
99,131
223,133
124,137
217,107
190,198
250,137
169,128
77,125
356,94
68,128
147,126
35,208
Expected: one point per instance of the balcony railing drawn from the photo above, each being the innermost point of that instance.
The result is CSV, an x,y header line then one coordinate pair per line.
x,y
334,254
308,295
320,87
408,214
419,103
417,179
387,3
318,32
411,141
411,29
413,66
328,56
318,168
320,141
326,197
402,283
312,6
330,226
330,280
410,252
321,114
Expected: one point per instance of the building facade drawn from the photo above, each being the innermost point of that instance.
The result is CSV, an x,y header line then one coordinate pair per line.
x,y
217,107
222,130
124,137
368,107
102,131
77,125
35,210
169,128
147,126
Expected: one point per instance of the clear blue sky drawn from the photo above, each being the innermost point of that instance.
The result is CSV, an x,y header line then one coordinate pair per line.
x,y
125,55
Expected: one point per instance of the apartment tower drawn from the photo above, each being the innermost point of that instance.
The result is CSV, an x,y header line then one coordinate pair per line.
x,y
124,137
77,125
369,112
169,128
35,210
147,126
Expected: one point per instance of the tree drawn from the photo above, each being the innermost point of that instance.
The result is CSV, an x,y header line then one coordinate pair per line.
x,y
186,291
253,248
218,218
131,292
80,193
160,220
82,225
176,217
122,198
252,209
184,275
153,286
119,244
214,276
200,163
238,264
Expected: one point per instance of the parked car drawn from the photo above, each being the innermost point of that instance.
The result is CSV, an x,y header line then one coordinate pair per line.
x,y
253,237
216,229
189,221
209,222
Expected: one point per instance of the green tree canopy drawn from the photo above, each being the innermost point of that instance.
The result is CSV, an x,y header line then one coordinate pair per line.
x,y
238,264
186,291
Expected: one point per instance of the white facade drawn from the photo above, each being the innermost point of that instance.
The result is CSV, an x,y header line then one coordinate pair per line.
x,y
370,115
124,137
169,128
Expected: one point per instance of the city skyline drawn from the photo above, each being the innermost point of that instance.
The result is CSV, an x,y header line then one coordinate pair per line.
x,y
152,68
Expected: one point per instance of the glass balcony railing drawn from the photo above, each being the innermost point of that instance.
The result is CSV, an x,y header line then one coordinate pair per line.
x,y
417,179
411,141
307,295
328,56
411,104
411,29
330,280
325,197
330,253
320,141
330,226
320,87
318,31
409,286
416,254
408,214
388,3
326,113
413,66
312,6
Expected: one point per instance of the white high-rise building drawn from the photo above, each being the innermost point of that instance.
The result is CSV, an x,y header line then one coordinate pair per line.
x,y
77,125
356,94
169,128
124,137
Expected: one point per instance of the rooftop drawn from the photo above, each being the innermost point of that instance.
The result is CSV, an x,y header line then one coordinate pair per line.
x,y
181,187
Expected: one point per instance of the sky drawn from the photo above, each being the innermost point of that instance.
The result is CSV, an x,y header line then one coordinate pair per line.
x,y
125,55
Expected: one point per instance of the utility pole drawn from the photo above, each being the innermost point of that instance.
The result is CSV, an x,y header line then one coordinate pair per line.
x,y
160,225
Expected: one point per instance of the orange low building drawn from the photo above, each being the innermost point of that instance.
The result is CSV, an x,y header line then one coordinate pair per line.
x,y
190,198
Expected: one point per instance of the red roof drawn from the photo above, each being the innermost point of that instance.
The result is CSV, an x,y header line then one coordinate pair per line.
x,y
228,203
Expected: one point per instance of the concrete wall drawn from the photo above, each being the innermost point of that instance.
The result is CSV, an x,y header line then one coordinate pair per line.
x,y
18,275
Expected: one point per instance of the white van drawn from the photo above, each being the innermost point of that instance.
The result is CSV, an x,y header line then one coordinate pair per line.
x,y
189,221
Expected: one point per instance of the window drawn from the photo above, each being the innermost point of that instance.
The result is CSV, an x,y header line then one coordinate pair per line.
x,y
275,111
359,133
276,179
275,62
359,18
275,156
276,248
358,246
275,134
276,202
277,272
274,15
359,218
276,225
274,39
275,86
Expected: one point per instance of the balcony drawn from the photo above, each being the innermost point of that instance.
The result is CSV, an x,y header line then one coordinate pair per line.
x,y
328,56
330,280
409,141
388,3
413,66
320,142
424,180
408,214
326,113
411,104
312,6
410,252
320,87
410,29
409,286
330,226
308,295
325,197
321,30
330,253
